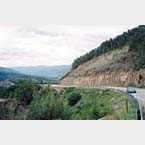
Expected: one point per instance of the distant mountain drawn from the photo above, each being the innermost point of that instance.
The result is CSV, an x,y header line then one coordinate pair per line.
x,y
6,73
7,70
10,74
45,71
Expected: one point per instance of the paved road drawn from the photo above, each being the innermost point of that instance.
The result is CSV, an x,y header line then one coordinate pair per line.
x,y
139,95
140,101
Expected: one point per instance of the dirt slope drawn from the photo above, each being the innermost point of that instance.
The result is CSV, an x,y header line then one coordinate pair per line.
x,y
113,69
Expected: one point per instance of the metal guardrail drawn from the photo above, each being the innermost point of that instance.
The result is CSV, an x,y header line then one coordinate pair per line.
x,y
138,108
139,115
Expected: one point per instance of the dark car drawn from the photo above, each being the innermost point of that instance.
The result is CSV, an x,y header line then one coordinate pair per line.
x,y
131,90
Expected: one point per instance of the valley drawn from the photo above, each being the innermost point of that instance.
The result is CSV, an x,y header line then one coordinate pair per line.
x,y
51,72
94,87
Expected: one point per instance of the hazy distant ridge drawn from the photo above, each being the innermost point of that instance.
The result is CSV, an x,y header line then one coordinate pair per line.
x,y
45,71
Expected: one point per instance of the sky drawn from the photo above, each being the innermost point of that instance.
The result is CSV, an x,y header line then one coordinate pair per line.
x,y
51,44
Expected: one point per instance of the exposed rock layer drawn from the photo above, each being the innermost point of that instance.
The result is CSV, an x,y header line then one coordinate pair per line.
x,y
114,69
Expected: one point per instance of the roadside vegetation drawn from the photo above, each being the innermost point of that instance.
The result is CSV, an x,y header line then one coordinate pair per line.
x,y
30,101
136,85
100,104
143,112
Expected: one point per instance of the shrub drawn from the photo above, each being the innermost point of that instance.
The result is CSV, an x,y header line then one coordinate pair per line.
x,y
132,85
7,110
47,107
23,91
69,90
73,98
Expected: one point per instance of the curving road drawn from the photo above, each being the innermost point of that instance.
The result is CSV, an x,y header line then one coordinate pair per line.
x,y
139,95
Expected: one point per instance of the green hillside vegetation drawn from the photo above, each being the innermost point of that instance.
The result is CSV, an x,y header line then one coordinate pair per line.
x,y
134,38
28,100
92,104
14,76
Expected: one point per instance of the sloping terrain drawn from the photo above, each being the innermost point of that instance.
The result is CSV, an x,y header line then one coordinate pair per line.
x,y
114,69
12,75
111,65
27,100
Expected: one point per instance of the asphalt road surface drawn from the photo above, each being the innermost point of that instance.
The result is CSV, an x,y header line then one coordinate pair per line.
x,y
139,95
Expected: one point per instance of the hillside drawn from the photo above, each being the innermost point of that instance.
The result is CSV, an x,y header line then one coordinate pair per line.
x,y
9,74
45,71
6,73
27,100
116,62
7,70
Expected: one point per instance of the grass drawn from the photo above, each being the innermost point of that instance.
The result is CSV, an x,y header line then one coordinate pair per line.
x,y
143,112
136,86
122,114
115,54
101,104
45,103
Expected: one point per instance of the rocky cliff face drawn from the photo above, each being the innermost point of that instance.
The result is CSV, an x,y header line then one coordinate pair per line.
x,y
113,79
113,69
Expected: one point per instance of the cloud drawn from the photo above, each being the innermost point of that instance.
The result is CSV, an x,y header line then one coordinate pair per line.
x,y
15,52
50,45
41,31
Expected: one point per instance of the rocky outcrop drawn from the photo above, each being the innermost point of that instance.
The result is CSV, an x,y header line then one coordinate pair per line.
x,y
104,70
111,79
